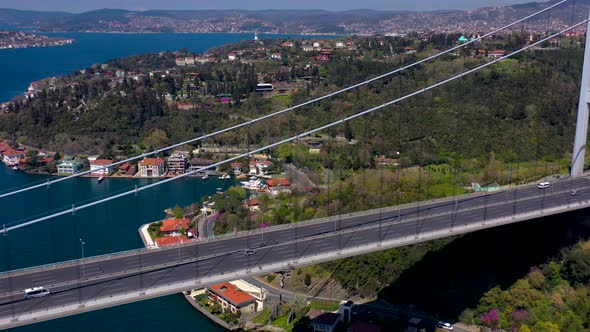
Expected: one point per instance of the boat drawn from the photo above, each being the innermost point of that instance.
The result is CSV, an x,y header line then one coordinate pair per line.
x,y
100,178
205,177
253,184
225,177
15,168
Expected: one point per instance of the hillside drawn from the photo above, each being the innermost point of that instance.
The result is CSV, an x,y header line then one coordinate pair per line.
x,y
296,21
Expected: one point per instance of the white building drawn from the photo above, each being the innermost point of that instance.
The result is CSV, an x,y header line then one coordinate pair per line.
x,y
69,166
96,165
12,157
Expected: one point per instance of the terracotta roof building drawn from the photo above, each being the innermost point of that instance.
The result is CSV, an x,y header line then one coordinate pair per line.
x,y
174,225
95,166
151,167
171,240
231,298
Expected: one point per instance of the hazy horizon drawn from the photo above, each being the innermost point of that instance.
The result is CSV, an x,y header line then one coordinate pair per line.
x,y
76,6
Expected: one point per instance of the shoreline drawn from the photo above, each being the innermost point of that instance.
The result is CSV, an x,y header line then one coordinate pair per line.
x,y
188,294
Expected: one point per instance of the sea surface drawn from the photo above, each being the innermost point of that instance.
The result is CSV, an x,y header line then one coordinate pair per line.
x,y
108,228
18,68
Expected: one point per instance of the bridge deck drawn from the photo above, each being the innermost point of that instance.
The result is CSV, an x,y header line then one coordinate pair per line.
x,y
111,280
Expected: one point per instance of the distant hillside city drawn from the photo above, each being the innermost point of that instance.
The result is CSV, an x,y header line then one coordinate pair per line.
x,y
352,22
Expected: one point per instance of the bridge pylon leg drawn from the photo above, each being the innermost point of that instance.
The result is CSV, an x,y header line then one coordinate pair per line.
x,y
579,153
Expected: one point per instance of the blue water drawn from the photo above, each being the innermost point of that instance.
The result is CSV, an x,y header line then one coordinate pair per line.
x,y
20,67
104,229
108,228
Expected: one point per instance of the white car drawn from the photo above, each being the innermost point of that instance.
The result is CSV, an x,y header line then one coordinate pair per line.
x,y
543,185
249,252
444,325
35,292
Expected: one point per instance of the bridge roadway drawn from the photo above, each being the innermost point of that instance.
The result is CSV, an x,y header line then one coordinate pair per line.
x,y
104,277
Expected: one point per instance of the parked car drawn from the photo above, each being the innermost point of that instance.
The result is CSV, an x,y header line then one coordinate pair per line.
x,y
249,252
543,185
444,325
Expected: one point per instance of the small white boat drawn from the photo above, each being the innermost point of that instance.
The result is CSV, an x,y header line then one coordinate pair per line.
x,y
15,168
205,177
224,177
100,178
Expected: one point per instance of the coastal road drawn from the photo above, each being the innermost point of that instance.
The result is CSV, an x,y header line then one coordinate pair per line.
x,y
80,281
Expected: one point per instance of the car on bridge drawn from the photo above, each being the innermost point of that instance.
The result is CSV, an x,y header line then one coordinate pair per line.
x,y
31,293
543,185
249,252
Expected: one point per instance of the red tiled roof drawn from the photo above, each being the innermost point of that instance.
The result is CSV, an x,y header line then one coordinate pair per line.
x,y
151,162
235,165
171,240
4,147
253,202
124,166
231,293
48,160
14,153
278,182
171,225
101,162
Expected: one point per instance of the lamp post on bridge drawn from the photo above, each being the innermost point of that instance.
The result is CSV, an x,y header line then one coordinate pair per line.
x,y
82,243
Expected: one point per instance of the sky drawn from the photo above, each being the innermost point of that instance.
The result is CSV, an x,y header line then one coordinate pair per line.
x,y
76,6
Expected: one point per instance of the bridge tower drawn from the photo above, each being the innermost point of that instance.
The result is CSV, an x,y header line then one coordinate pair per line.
x,y
579,154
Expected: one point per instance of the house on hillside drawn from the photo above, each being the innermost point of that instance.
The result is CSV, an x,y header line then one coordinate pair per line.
x,y
171,240
11,157
96,167
307,48
236,168
177,163
231,298
197,163
68,165
277,186
171,227
151,167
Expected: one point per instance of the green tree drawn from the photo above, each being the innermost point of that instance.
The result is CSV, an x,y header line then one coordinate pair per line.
x,y
231,200
156,139
546,327
307,280
178,212
576,266
524,328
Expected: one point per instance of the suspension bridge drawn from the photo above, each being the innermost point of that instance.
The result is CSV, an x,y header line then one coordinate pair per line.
x,y
97,282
